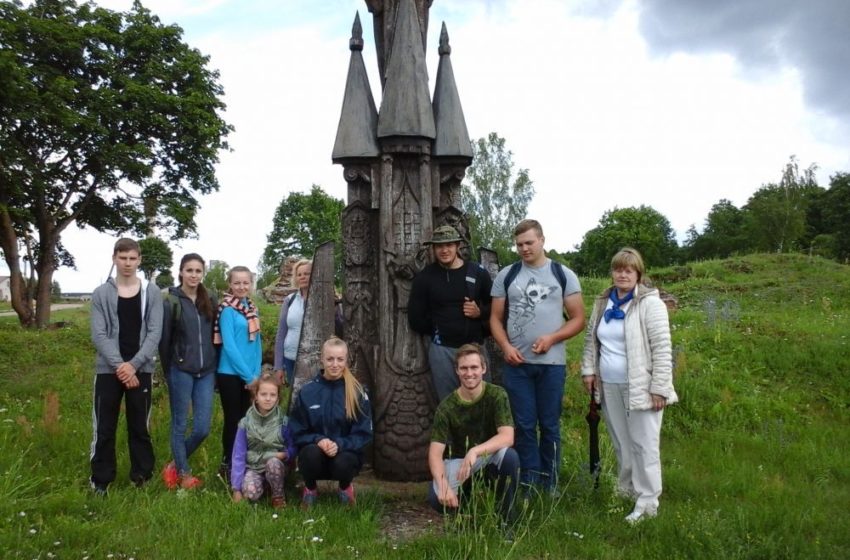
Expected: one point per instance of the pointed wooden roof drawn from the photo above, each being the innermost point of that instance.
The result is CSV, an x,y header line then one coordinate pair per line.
x,y
406,104
358,122
452,136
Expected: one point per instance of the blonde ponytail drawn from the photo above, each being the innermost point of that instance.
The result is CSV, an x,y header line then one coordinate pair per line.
x,y
353,394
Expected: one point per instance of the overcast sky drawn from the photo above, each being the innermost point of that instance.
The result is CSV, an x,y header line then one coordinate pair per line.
x,y
673,104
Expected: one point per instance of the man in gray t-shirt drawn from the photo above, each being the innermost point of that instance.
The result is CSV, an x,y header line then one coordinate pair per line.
x,y
533,342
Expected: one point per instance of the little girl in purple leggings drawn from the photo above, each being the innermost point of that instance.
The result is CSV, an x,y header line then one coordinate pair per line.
x,y
263,446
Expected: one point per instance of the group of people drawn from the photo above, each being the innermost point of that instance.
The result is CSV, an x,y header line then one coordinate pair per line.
x,y
206,345
531,308
508,435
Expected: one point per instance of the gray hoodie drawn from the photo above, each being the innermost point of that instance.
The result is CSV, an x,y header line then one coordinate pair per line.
x,y
104,328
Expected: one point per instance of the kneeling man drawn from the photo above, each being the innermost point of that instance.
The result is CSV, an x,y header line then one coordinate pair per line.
x,y
473,432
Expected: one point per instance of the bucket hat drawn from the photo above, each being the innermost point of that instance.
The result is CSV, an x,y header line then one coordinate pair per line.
x,y
444,234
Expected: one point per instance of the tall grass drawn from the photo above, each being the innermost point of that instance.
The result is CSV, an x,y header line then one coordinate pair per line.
x,y
754,455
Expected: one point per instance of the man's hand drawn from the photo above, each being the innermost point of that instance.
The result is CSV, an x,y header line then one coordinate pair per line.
x,y
589,382
470,309
281,377
446,495
542,344
512,355
466,467
124,372
328,447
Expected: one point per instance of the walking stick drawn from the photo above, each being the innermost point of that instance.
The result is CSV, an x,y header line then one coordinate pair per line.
x,y
592,418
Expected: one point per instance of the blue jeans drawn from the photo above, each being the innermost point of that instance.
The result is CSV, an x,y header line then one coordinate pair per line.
x,y
536,392
185,388
289,370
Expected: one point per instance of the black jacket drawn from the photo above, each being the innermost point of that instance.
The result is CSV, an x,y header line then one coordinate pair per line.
x,y
435,306
187,338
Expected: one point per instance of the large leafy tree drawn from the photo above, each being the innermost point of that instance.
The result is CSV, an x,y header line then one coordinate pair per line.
x,y
301,223
643,228
107,120
776,213
494,198
156,256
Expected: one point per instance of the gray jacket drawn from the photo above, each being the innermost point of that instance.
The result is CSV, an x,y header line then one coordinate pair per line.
x,y
104,328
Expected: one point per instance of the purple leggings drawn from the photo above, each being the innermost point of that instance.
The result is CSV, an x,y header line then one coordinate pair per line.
x,y
252,485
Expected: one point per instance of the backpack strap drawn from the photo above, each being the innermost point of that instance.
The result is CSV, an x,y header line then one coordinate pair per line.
x,y
509,278
558,272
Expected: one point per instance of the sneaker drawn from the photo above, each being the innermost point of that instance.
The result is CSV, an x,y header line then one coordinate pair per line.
x,y
309,497
100,490
346,495
139,481
278,502
169,476
188,482
639,514
507,533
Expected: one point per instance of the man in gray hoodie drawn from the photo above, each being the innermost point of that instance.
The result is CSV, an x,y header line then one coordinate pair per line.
x,y
126,324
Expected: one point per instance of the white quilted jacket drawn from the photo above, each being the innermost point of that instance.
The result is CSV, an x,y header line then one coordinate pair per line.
x,y
648,348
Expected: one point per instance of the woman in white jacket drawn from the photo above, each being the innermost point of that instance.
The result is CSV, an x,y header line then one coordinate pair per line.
x,y
628,363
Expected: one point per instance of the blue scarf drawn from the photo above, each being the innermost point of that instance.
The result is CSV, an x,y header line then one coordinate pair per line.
x,y
615,312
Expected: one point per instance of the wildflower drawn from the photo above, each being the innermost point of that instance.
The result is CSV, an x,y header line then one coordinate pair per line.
x,y
309,521
23,514
317,539
33,531
274,516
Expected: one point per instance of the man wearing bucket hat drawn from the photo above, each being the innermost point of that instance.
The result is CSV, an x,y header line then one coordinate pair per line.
x,y
450,304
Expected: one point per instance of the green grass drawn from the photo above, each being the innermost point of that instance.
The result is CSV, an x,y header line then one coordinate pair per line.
x,y
754,455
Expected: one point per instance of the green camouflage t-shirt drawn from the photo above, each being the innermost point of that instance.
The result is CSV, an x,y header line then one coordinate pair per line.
x,y
462,425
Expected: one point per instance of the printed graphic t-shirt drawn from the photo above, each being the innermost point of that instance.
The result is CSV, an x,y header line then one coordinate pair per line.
x,y
536,308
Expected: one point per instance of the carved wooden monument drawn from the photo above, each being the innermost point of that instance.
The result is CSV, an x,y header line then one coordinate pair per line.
x,y
403,166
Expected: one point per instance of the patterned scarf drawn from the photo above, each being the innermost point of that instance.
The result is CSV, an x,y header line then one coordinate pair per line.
x,y
249,312
615,312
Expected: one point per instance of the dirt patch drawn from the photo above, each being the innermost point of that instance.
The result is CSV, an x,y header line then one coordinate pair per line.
x,y
407,514
407,520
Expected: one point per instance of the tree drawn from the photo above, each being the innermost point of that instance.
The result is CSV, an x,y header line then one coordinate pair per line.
x,y
643,228
156,256
215,280
165,280
835,209
494,200
301,223
55,292
776,213
723,235
107,120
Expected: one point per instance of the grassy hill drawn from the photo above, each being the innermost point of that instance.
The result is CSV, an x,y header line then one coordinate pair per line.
x,y
755,455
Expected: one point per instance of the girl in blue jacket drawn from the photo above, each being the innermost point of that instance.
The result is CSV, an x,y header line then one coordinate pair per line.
x,y
331,424
237,330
